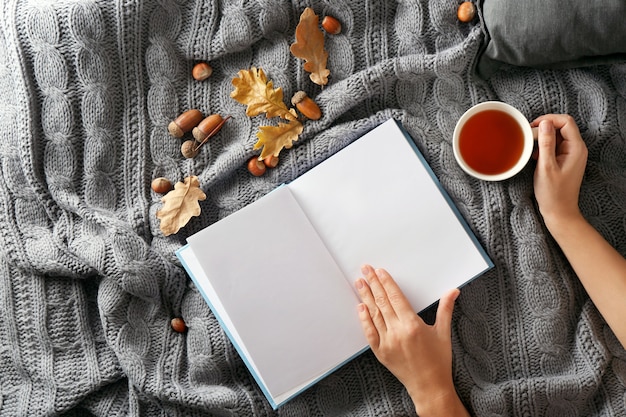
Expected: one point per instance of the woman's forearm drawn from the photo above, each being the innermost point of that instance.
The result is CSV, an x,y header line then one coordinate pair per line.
x,y
600,268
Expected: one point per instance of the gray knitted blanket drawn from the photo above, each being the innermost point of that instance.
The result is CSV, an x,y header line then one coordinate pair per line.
x,y
89,283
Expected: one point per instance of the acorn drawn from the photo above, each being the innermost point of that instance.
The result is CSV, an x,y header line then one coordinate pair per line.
x,y
306,105
189,149
256,167
161,185
271,161
178,325
206,127
331,25
201,71
466,11
184,123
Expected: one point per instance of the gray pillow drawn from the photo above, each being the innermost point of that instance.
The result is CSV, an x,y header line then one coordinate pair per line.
x,y
551,33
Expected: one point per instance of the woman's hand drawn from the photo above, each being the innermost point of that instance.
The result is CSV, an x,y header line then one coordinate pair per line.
x,y
560,169
418,354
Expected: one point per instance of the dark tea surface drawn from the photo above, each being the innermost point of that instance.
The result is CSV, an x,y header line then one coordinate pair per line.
x,y
491,142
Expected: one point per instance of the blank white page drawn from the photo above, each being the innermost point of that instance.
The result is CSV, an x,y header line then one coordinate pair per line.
x,y
377,202
280,291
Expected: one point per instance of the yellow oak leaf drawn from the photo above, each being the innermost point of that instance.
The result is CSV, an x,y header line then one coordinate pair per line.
x,y
180,205
274,138
309,45
254,90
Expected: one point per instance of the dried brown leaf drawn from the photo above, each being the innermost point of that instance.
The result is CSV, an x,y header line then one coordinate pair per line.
x,y
180,205
254,90
309,45
274,138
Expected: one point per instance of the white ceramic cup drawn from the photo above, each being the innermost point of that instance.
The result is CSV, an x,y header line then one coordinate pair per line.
x,y
528,133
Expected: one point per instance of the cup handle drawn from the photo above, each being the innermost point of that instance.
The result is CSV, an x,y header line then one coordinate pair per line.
x,y
535,133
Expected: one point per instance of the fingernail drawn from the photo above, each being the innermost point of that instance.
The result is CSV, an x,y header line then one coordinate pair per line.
x,y
359,284
365,269
545,126
361,307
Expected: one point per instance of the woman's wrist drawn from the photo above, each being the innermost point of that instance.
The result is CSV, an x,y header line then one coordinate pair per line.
x,y
445,403
561,225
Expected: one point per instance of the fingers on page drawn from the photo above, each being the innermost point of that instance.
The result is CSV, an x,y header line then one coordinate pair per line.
x,y
396,297
369,329
371,308
378,292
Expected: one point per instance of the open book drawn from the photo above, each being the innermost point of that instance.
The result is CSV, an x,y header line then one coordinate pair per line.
x,y
279,273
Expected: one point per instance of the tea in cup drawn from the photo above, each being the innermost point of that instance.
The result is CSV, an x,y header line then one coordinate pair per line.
x,y
493,141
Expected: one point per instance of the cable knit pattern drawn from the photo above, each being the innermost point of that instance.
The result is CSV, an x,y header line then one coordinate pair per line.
x,y
89,284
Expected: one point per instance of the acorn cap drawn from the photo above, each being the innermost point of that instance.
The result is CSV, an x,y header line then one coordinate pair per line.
x,y
175,130
298,97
